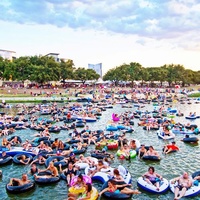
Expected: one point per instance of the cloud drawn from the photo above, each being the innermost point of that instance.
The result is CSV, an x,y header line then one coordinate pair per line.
x,y
147,18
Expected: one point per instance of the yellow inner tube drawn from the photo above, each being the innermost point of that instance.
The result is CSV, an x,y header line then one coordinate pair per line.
x,y
76,190
94,193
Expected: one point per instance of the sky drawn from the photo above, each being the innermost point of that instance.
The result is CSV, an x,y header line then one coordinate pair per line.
x,y
111,32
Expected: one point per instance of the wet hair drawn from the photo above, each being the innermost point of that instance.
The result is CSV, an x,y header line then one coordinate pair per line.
x,y
152,168
151,147
89,185
112,181
116,171
80,176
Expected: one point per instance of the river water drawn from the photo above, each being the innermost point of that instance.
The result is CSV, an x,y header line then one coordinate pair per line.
x,y
170,166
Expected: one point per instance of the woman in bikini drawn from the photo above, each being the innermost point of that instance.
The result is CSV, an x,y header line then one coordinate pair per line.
x,y
84,196
113,188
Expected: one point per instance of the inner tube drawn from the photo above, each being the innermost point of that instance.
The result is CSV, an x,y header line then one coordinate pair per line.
x,y
132,153
6,160
164,185
83,150
99,155
18,138
113,195
46,178
190,140
17,157
197,173
153,158
80,124
57,160
86,179
20,189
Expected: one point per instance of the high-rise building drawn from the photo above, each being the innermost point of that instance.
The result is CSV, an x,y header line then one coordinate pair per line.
x,y
97,68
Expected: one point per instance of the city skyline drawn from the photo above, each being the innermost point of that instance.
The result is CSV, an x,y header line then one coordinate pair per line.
x,y
112,33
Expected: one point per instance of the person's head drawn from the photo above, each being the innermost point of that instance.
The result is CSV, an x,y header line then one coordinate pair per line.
x,y
151,169
56,140
33,166
100,162
133,141
3,153
70,165
80,178
111,182
51,164
88,187
151,148
173,142
116,172
142,146
81,156
23,157
24,177
72,155
125,146
185,175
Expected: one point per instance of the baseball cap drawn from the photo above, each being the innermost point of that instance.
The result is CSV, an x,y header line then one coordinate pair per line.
x,y
72,154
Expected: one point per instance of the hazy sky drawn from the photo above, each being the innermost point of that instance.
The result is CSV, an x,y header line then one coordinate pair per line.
x,y
151,32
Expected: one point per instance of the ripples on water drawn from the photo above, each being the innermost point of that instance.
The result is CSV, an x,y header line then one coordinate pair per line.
x,y
170,166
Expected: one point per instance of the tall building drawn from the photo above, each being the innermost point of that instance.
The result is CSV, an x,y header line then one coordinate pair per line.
x,y
97,68
6,54
54,55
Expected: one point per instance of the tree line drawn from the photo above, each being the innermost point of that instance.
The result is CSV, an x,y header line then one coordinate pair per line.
x,y
42,69
173,74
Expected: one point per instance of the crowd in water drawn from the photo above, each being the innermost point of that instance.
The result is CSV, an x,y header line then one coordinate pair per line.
x,y
65,159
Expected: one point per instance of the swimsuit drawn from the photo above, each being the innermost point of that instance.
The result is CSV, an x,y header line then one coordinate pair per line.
x,y
72,171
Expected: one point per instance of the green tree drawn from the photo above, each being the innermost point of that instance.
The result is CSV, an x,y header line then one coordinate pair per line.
x,y
83,74
67,69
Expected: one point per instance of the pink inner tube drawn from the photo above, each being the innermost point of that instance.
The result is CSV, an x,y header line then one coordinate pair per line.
x,y
115,119
86,179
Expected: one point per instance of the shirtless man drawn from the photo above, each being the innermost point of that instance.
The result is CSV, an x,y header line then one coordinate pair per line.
x,y
184,182
50,168
24,180
98,168
152,152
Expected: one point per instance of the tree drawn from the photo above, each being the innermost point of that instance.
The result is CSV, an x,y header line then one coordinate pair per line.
x,y
66,69
83,74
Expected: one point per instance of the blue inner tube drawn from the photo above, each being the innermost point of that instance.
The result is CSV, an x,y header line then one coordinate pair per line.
x,y
6,160
83,150
153,158
73,141
17,157
190,139
113,195
18,138
58,160
20,189
37,162
80,124
41,179
42,139
197,173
